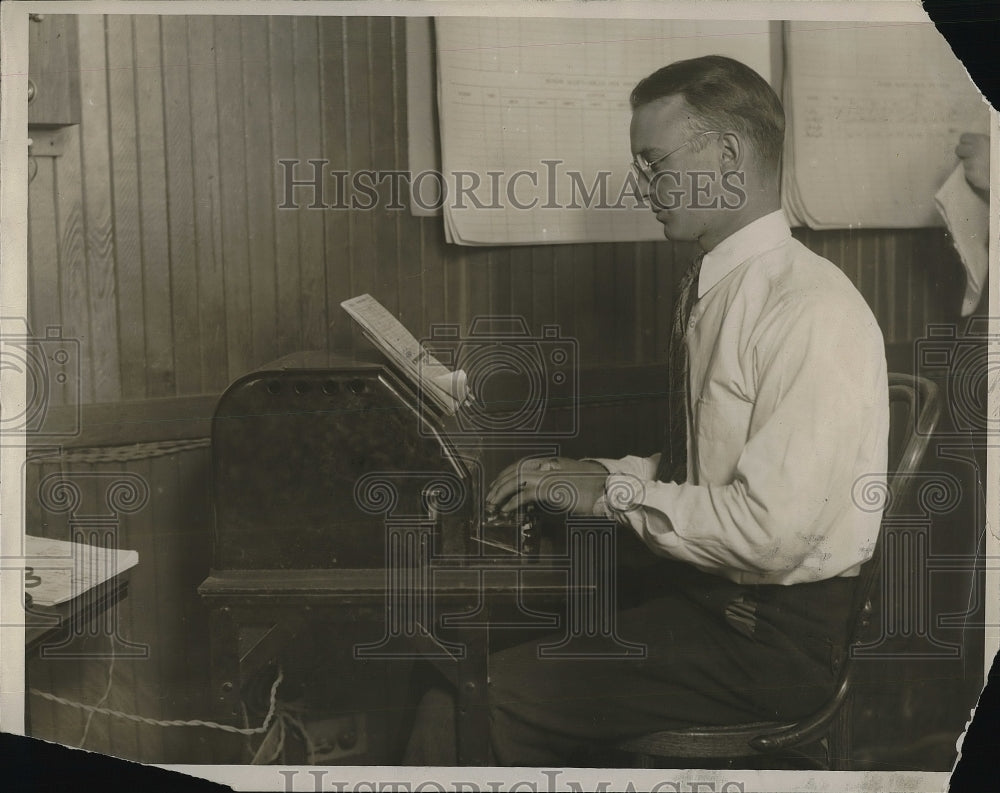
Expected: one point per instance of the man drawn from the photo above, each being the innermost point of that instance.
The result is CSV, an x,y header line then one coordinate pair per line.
x,y
750,508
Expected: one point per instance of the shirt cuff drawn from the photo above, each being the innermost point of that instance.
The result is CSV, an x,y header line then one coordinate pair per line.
x,y
623,494
640,467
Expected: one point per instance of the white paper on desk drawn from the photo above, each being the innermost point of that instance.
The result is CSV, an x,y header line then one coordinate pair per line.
x,y
68,569
968,219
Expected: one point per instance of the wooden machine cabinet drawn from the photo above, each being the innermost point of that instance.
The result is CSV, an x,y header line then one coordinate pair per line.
x,y
350,543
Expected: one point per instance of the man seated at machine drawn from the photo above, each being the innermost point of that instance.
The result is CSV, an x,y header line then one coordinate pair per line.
x,y
778,369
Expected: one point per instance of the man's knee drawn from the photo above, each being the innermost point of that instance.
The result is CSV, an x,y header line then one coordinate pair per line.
x,y
433,740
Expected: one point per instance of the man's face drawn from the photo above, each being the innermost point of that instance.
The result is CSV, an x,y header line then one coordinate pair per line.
x,y
686,192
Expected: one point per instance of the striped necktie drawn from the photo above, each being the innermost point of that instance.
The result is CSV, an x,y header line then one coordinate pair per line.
x,y
673,460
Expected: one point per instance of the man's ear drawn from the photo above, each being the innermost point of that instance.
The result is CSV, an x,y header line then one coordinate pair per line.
x,y
732,153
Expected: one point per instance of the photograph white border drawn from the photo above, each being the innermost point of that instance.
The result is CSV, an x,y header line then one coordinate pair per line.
x,y
13,304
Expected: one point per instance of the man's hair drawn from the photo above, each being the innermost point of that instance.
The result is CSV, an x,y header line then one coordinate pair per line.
x,y
724,95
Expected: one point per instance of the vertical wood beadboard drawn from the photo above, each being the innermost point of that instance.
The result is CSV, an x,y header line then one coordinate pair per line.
x,y
233,197
160,244
412,275
336,225
72,276
284,123
359,99
259,186
212,319
160,365
43,287
124,160
100,338
309,145
184,296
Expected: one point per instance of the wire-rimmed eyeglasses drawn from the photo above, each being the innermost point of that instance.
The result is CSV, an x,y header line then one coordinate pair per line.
x,y
645,169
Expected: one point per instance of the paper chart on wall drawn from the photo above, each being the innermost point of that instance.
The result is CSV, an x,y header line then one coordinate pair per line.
x,y
874,114
535,112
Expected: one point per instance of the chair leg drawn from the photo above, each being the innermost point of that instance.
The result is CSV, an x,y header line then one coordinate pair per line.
x,y
841,733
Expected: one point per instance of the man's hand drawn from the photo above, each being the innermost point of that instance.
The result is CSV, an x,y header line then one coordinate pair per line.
x,y
974,152
559,483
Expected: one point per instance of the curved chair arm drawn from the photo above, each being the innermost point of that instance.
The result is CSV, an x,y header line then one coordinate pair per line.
x,y
804,731
924,400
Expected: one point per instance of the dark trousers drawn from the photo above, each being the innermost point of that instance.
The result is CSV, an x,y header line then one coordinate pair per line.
x,y
716,653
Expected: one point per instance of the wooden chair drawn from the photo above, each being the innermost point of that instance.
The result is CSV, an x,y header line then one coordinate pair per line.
x,y
914,412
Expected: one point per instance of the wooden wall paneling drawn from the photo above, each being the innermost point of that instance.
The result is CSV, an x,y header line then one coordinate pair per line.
x,y
260,197
43,248
432,271
932,297
868,271
138,612
121,735
201,218
893,297
88,680
336,221
627,312
489,282
212,319
233,167
128,265
841,248
645,332
52,54
456,291
309,145
881,266
564,274
179,142
543,267
62,724
522,297
384,133
100,346
663,276
604,285
408,228
585,300
156,255
187,530
926,297
359,107
911,272
948,281
171,646
286,224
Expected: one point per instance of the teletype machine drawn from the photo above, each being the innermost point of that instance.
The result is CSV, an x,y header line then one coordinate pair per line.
x,y
351,544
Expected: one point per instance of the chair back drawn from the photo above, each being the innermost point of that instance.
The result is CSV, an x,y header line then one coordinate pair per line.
x,y
914,410
914,407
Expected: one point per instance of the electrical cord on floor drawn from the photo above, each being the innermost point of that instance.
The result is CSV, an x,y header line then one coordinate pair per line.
x,y
91,709
104,697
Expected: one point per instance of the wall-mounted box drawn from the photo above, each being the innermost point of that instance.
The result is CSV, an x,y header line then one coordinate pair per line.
x,y
53,70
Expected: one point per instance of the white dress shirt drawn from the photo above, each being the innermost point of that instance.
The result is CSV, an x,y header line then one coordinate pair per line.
x,y
788,411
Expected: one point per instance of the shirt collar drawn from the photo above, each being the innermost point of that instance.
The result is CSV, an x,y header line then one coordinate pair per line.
x,y
761,235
